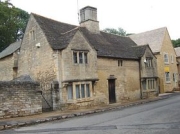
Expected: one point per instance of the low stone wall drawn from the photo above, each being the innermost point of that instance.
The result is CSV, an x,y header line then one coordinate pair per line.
x,y
19,98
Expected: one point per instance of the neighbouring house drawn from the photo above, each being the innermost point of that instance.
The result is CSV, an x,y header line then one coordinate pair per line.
x,y
177,49
148,71
83,66
161,45
9,62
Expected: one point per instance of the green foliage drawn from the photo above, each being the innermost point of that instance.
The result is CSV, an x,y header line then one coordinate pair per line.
x,y
12,23
118,31
176,43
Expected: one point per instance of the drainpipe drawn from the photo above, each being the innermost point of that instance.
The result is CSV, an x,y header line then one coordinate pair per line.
x,y
59,67
140,78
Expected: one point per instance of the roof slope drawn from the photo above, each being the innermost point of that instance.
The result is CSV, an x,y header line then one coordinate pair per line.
x,y
54,31
110,45
177,50
60,34
154,38
139,50
10,49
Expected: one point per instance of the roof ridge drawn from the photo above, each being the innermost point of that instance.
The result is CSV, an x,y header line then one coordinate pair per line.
x,y
148,31
114,34
70,30
52,19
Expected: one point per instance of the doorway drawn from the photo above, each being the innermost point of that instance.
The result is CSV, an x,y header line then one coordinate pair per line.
x,y
111,86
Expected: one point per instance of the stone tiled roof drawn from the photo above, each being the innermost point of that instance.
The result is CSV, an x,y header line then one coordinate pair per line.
x,y
10,49
177,50
110,45
60,34
140,50
55,31
154,38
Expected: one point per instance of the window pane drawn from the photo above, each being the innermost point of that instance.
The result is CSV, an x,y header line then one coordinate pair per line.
x,y
167,76
82,91
166,60
70,92
77,92
148,62
85,58
87,90
144,84
120,62
75,57
80,57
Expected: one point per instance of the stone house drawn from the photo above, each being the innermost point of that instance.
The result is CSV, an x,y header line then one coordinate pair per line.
x,y
161,45
177,50
83,66
9,62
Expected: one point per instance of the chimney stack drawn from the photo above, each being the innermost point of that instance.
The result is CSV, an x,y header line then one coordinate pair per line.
x,y
88,19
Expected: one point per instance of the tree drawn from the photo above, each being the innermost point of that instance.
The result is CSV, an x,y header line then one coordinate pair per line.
x,y
12,23
176,43
118,31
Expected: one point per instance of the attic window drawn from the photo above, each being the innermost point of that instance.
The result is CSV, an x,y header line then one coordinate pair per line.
x,y
166,58
32,35
120,62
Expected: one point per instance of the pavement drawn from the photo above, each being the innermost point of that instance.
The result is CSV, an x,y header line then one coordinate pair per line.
x,y
59,115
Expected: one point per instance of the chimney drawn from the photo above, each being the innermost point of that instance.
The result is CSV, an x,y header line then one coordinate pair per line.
x,y
88,16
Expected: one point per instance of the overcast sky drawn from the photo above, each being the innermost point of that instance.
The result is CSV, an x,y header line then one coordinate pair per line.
x,y
134,16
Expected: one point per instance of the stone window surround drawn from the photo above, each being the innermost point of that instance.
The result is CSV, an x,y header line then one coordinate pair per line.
x,y
167,77
120,62
32,35
150,84
148,62
86,98
80,56
166,58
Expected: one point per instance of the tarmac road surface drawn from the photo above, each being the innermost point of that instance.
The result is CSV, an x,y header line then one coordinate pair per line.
x,y
159,117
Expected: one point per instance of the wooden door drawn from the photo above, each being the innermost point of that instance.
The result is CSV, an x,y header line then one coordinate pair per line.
x,y
112,95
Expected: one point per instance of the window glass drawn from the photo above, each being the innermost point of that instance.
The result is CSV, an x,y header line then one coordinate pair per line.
x,y
167,76
77,92
75,57
87,90
82,91
85,58
166,58
70,92
120,62
148,62
80,57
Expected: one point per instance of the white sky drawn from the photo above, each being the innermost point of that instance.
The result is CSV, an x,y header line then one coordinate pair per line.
x,y
134,16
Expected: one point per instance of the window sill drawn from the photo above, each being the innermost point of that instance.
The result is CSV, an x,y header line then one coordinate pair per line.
x,y
81,100
168,82
149,90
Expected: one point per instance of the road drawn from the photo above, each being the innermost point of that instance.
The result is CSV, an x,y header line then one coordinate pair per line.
x,y
159,117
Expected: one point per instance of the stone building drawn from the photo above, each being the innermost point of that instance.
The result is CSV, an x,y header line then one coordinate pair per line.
x,y
83,66
9,62
177,50
161,45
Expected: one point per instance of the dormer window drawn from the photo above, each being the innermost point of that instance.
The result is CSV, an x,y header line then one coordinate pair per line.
x,y
80,57
148,62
